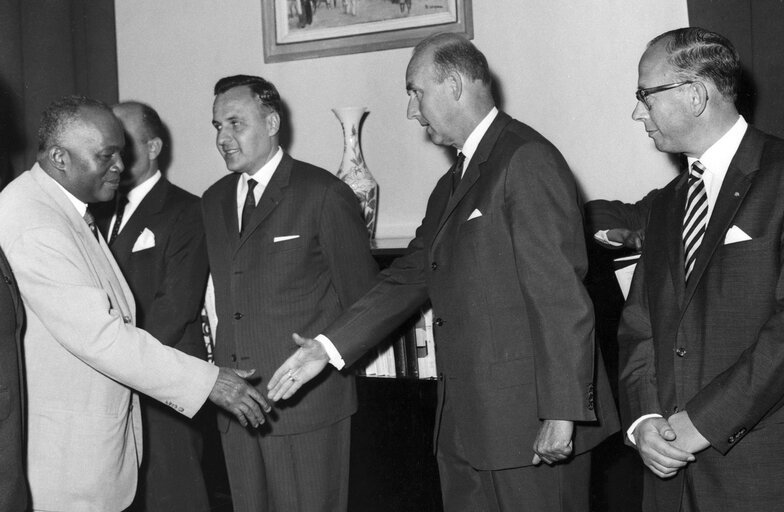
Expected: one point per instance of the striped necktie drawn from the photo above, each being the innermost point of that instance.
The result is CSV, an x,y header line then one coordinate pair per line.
x,y
696,220
90,220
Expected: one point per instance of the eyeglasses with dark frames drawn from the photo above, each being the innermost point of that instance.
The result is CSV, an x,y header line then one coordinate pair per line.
x,y
642,94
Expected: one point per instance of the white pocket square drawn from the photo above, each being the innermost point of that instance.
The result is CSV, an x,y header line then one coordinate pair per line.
x,y
145,241
284,238
735,235
474,214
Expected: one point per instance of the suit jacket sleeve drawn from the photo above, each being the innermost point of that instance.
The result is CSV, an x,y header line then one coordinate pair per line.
x,y
61,290
398,295
544,215
179,297
344,238
602,214
636,354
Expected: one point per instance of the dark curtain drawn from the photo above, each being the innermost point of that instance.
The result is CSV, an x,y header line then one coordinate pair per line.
x,y
48,49
755,28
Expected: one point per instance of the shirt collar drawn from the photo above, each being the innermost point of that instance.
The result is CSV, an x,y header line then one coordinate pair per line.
x,y
77,203
475,137
717,158
263,175
140,191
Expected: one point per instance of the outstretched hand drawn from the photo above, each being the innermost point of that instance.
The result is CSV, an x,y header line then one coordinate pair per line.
x,y
304,364
234,394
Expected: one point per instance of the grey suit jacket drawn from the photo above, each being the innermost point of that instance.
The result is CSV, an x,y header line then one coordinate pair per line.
x,y
715,347
502,261
83,355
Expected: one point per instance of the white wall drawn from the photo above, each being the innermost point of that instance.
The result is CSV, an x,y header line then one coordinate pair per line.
x,y
566,67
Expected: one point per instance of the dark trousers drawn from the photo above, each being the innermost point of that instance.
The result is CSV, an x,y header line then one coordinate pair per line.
x,y
560,488
170,477
305,472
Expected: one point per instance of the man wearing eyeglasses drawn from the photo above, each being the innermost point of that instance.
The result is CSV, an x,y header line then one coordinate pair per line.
x,y
702,334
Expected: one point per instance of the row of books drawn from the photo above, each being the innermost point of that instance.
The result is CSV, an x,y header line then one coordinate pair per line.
x,y
410,352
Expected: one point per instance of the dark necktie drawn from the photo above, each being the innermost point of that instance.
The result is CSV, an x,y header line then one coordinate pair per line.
x,y
249,206
696,220
457,171
122,200
90,220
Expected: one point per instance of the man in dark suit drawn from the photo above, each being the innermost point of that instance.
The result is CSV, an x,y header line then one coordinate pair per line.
x,y
501,255
155,233
702,356
13,487
288,251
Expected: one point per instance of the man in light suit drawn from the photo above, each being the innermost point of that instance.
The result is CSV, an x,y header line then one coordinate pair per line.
x,y
288,251
501,256
702,333
155,232
13,486
83,355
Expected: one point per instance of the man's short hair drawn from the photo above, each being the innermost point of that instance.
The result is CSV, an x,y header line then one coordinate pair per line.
x,y
453,52
264,91
700,54
61,115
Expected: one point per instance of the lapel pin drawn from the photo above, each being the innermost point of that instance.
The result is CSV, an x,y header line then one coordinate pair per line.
x,y
737,194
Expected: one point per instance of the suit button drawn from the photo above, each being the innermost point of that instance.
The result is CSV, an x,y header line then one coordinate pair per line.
x,y
675,408
439,322
8,279
234,358
731,440
434,265
237,316
680,352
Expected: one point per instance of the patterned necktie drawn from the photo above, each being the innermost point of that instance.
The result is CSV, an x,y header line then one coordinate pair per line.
x,y
249,206
122,200
90,220
457,171
696,220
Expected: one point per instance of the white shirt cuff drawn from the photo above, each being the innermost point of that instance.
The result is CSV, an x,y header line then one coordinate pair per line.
x,y
335,359
601,237
630,432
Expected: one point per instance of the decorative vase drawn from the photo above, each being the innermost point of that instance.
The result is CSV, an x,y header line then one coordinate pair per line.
x,y
353,170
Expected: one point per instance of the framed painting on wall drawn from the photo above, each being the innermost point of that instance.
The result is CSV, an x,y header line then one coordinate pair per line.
x,y
305,29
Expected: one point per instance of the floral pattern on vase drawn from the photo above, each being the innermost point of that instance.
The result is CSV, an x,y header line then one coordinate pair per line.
x,y
353,170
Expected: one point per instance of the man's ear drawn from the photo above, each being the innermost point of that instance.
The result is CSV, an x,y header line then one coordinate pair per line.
x,y
59,157
154,147
273,124
698,98
455,83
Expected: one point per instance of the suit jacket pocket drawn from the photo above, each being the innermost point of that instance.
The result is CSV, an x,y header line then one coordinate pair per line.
x,y
747,248
5,403
287,245
476,224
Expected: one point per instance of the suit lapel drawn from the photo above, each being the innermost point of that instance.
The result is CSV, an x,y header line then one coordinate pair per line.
x,y
673,234
740,175
473,171
99,257
270,198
